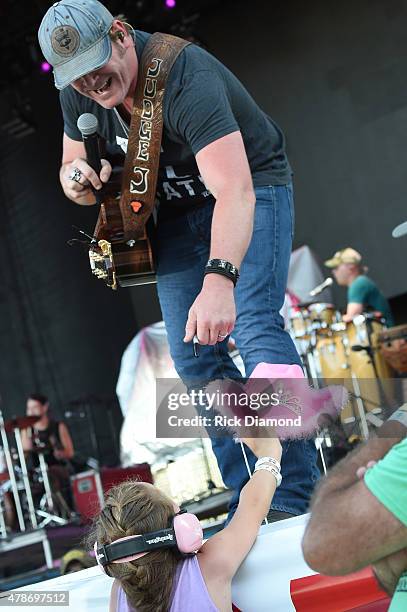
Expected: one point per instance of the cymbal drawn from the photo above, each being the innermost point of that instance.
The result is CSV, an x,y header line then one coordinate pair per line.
x,y
20,423
303,304
313,303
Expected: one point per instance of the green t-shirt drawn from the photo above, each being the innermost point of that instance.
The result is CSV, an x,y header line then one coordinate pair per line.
x,y
364,291
387,480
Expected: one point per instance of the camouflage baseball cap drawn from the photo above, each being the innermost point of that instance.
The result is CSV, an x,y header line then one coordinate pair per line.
x,y
74,38
347,255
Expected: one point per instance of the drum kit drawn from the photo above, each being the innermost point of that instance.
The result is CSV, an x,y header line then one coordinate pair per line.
x,y
18,506
353,352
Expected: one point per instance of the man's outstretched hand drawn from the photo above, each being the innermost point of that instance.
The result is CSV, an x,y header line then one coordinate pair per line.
x,y
212,316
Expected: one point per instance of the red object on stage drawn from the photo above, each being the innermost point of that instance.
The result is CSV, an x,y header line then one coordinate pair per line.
x,y
88,494
4,476
114,476
354,592
90,487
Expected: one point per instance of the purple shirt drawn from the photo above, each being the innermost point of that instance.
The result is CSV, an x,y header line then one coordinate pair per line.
x,y
190,592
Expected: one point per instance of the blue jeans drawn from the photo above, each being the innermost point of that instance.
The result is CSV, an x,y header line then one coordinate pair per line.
x,y
182,251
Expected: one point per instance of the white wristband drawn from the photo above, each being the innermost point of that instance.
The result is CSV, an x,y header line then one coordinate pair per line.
x,y
272,470
268,460
400,415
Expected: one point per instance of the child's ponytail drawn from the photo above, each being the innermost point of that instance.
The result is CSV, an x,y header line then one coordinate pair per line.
x,y
148,585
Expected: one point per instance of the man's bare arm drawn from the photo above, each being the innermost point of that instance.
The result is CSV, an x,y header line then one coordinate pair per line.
x,y
349,528
389,570
353,309
344,475
225,170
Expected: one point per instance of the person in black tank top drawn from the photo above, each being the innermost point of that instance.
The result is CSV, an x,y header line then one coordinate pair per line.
x,y
52,438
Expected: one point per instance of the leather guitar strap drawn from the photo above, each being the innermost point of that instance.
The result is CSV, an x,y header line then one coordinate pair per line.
x,y
140,172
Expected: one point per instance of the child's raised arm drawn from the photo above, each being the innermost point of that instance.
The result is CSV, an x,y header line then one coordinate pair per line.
x,y
221,556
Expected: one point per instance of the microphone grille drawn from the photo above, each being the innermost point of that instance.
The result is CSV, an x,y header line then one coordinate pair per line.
x,y
87,124
400,230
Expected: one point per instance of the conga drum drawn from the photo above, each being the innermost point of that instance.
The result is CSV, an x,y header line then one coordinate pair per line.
x,y
338,360
332,362
322,316
369,366
393,347
300,325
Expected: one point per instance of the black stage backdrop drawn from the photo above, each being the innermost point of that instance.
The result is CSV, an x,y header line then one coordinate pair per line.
x,y
62,332
332,74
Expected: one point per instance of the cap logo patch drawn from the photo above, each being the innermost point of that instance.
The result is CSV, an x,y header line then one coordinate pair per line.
x,y
65,40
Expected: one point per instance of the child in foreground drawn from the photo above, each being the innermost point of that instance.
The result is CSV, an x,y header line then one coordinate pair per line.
x,y
171,571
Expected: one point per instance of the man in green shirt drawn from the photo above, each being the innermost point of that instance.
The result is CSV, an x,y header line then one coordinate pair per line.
x,y
359,512
363,294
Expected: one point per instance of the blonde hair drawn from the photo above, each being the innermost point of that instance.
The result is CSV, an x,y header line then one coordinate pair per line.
x,y
133,508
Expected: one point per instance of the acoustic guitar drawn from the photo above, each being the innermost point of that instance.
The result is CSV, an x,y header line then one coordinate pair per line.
x,y
119,263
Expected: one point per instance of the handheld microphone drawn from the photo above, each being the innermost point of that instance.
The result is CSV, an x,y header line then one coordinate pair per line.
x,y
319,288
400,230
88,127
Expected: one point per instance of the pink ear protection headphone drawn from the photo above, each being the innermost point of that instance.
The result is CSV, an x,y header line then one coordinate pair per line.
x,y
185,534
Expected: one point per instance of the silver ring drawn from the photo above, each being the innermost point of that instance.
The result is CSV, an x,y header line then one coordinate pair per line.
x,y
222,336
75,175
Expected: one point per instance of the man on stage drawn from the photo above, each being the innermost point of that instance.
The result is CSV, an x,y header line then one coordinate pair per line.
x,y
225,215
363,294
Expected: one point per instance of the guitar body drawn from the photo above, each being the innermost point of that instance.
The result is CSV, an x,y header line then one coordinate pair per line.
x,y
135,265
117,262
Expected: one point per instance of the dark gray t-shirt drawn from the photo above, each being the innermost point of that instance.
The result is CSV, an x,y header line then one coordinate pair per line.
x,y
203,102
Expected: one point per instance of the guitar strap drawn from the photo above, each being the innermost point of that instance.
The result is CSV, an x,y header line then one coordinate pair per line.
x,y
140,172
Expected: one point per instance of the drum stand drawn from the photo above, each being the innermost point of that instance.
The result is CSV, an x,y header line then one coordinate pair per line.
x,y
364,415
26,480
3,528
12,475
48,516
359,403
310,364
370,350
